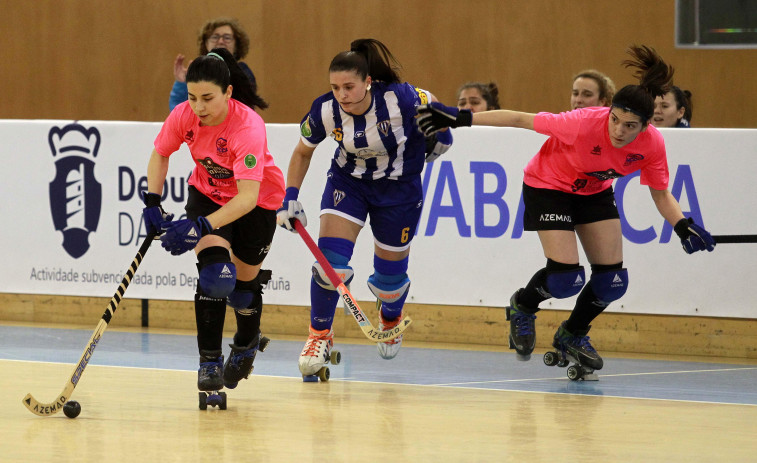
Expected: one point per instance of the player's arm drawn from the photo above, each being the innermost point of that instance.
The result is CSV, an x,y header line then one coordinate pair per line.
x,y
239,205
434,117
291,208
693,237
157,170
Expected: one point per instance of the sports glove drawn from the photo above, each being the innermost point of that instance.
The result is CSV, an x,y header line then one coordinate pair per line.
x,y
291,209
153,214
693,237
434,117
183,235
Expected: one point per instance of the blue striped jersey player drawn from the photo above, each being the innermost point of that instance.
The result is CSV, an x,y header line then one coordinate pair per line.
x,y
376,172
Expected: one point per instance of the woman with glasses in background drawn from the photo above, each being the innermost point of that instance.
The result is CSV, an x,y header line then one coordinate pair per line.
x,y
217,33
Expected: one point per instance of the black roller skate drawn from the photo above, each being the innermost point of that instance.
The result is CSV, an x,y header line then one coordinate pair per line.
x,y
210,380
522,335
239,364
574,347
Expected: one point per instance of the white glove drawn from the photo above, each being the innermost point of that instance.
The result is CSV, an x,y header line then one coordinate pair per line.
x,y
291,210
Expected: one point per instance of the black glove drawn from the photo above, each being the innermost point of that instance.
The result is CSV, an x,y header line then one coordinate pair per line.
x,y
153,213
434,117
693,237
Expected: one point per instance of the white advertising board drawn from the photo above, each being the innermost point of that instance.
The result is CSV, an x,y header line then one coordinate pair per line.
x,y
72,220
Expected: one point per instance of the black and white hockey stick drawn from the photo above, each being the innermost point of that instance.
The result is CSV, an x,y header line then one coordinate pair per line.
x,y
735,238
366,326
47,409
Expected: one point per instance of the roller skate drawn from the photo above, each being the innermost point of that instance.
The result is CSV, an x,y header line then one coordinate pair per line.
x,y
210,380
522,334
316,354
574,347
389,349
239,364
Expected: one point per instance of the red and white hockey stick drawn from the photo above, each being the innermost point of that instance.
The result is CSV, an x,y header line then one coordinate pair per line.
x,y
47,409
368,329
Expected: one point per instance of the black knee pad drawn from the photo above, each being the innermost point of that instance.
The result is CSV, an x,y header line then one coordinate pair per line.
x,y
249,294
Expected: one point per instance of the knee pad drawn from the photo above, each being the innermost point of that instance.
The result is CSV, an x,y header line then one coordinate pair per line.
x,y
389,292
217,274
565,283
248,295
338,252
609,285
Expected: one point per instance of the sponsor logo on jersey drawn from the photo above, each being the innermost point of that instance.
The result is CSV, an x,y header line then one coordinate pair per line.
x,y
384,127
215,170
75,193
605,174
250,161
597,150
631,158
221,146
339,196
360,134
305,129
578,184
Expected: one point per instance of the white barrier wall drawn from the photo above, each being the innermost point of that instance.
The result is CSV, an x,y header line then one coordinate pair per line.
x,y
470,249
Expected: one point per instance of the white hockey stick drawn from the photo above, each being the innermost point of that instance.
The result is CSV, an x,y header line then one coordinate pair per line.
x,y
47,409
368,329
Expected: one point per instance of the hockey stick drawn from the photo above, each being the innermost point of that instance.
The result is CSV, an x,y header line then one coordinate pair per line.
x,y
735,238
47,409
368,329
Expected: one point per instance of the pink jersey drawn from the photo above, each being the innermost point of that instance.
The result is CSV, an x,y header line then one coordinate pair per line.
x,y
579,158
233,150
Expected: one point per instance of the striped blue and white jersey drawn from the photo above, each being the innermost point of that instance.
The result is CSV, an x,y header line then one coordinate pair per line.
x,y
383,142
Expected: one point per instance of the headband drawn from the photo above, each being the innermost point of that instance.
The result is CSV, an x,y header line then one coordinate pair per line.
x,y
631,110
216,55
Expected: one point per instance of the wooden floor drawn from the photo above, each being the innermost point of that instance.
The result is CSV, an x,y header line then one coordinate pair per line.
x,y
151,415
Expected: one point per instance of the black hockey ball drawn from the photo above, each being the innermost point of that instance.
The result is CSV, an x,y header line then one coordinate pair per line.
x,y
72,409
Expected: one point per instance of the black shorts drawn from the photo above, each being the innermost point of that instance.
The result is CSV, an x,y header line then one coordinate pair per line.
x,y
250,235
556,210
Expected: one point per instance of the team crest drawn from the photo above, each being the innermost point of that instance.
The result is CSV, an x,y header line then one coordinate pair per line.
x,y
75,193
631,158
221,146
384,127
338,197
189,136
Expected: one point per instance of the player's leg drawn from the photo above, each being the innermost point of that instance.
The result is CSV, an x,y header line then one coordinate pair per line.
x,y
603,244
217,275
395,211
343,215
549,213
251,242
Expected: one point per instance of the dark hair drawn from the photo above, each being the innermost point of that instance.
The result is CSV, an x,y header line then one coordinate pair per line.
x,y
655,78
241,39
683,100
605,84
368,57
489,92
225,71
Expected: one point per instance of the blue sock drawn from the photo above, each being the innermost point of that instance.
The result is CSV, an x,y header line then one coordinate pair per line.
x,y
323,302
391,273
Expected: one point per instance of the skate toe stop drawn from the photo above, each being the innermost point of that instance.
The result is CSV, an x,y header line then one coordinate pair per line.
x,y
309,378
523,358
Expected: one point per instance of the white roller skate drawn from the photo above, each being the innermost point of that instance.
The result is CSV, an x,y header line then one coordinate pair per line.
x,y
316,354
389,349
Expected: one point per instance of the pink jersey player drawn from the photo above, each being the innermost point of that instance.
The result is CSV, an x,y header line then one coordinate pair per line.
x,y
234,192
567,193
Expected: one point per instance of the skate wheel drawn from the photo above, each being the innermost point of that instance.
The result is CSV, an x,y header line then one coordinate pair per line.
x,y
551,359
203,402
222,405
310,379
336,357
324,374
575,373
263,343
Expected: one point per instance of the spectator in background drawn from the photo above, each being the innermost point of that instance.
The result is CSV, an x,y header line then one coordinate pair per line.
x,y
478,96
673,109
591,88
217,33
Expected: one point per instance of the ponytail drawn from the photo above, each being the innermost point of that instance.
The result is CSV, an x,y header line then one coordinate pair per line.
x,y
368,57
655,79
